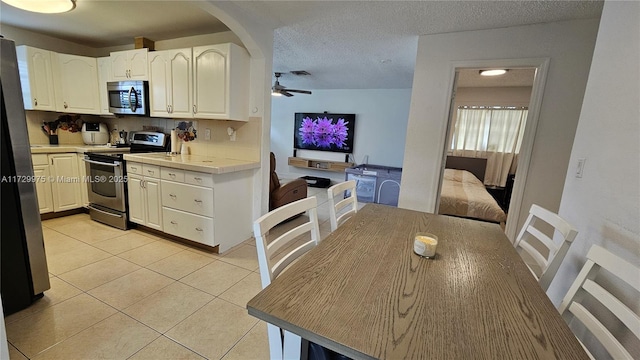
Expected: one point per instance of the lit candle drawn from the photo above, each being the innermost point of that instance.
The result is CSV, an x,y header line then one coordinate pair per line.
x,y
425,244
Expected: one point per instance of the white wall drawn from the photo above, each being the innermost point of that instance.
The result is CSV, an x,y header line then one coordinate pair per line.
x,y
381,126
604,205
568,45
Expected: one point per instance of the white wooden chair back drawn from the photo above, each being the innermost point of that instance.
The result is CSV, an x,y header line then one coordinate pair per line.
x,y
341,210
557,250
284,345
572,304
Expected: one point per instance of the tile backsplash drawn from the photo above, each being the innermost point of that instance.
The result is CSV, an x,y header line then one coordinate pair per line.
x,y
246,146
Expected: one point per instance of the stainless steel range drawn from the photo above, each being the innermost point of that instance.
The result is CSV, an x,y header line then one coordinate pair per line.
x,y
107,177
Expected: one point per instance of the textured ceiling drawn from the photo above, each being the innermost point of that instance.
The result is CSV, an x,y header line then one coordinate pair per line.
x,y
343,44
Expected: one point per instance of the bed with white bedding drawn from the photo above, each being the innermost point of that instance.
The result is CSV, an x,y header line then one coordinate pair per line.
x,y
464,195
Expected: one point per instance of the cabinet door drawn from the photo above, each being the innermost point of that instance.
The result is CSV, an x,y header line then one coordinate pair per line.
x,y
84,185
170,82
43,188
159,84
36,76
138,64
104,74
79,84
65,187
181,83
210,81
119,66
153,204
136,199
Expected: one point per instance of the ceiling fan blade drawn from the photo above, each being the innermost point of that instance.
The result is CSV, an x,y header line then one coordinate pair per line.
x,y
299,91
285,93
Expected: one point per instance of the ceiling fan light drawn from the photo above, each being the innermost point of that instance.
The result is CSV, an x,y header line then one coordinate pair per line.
x,y
494,72
43,6
275,93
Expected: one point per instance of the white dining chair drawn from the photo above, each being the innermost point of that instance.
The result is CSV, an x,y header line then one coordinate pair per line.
x,y
556,250
341,210
283,344
576,305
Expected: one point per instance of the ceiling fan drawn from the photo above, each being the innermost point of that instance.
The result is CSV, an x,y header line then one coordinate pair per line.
x,y
279,90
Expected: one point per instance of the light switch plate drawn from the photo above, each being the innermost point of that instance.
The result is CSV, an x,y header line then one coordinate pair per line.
x,y
207,134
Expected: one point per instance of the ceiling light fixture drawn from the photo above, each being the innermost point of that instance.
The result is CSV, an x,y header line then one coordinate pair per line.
x,y
494,72
275,93
43,6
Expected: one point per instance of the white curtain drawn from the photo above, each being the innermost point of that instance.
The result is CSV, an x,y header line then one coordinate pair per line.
x,y
493,134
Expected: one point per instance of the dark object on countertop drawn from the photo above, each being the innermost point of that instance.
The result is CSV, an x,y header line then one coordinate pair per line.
x,y
53,139
287,193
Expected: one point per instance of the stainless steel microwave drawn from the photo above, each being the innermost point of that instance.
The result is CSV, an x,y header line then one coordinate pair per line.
x,y
128,97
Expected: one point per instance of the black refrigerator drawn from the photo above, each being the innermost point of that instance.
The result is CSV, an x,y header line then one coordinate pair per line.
x,y
23,264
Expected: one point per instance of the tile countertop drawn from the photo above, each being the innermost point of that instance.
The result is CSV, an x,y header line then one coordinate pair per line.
x,y
206,164
50,149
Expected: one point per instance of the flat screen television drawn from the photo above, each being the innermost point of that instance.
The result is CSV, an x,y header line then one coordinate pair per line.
x,y
324,132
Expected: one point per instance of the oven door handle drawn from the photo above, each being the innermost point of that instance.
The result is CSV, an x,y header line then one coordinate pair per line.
x,y
114,164
104,212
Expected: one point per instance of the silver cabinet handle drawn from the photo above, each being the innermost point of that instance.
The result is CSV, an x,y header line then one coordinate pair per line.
x,y
172,175
150,172
65,105
35,102
195,109
173,222
198,201
198,229
172,195
142,184
197,179
134,168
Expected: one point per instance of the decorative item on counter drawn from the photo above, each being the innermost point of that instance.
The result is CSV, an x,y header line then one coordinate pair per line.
x,y
174,142
424,244
184,149
186,130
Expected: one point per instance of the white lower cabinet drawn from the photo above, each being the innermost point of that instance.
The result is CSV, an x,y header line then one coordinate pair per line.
x,y
189,226
187,210
64,172
144,195
43,186
58,187
214,210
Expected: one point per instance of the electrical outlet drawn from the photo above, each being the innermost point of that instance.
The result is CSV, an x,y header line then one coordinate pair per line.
x,y
207,134
580,167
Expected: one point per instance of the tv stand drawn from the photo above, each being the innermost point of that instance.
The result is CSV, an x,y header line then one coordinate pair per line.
x,y
325,165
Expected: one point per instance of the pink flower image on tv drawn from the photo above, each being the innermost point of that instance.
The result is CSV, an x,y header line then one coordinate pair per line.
x,y
323,133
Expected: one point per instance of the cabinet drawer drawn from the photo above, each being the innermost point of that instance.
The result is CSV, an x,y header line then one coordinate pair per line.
x,y
40,159
151,170
134,168
198,178
172,174
189,226
194,199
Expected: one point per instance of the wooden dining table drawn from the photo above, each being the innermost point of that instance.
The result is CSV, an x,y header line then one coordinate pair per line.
x,y
364,293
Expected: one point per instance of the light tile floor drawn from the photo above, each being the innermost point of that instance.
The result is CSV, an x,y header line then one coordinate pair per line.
x,y
133,295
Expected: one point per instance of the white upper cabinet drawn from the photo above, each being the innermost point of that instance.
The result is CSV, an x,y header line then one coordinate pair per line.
x,y
170,83
129,65
36,76
221,82
77,77
104,74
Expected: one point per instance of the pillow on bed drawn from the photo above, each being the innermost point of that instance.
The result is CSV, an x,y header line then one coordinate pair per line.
x,y
461,176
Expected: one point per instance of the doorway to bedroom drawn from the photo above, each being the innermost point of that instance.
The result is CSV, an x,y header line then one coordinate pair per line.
x,y
487,124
